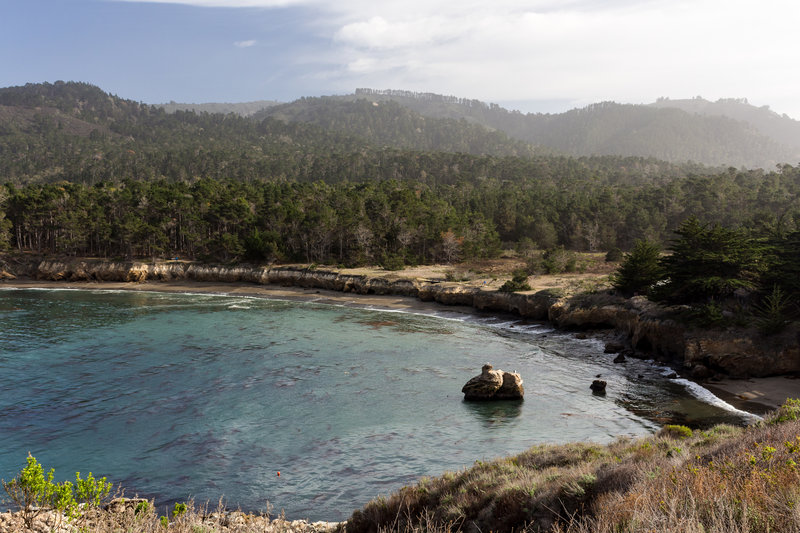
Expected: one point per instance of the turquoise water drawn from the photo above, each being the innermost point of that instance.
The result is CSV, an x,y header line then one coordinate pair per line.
x,y
176,396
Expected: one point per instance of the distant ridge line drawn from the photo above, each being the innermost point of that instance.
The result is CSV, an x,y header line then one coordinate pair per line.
x,y
432,97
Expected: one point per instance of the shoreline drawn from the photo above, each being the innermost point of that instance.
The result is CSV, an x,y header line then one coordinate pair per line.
x,y
754,395
305,294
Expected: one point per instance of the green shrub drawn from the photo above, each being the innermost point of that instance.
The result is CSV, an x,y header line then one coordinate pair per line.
x,y
90,491
519,282
393,262
614,255
32,491
558,260
707,315
676,431
180,508
789,411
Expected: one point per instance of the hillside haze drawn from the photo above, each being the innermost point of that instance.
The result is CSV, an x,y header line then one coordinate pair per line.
x,y
76,131
729,132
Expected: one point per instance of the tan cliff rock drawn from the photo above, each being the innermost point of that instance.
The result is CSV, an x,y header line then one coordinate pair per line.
x,y
650,329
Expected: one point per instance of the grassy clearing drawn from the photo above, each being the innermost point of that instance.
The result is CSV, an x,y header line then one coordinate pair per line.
x,y
725,479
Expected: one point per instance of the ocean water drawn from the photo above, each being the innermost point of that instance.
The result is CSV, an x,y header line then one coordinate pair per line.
x,y
178,396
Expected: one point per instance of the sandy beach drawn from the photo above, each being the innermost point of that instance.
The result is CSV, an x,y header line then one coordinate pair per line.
x,y
391,302
755,395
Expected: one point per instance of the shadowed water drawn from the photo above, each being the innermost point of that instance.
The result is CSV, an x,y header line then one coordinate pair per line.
x,y
177,396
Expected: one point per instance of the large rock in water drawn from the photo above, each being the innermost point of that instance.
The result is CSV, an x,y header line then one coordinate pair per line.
x,y
494,385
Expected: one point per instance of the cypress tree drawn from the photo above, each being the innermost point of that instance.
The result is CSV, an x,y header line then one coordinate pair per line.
x,y
640,269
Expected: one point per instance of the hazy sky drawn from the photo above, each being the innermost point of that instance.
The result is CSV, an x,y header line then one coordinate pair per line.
x,y
542,55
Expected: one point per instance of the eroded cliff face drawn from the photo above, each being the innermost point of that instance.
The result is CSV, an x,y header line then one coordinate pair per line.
x,y
534,306
649,329
647,326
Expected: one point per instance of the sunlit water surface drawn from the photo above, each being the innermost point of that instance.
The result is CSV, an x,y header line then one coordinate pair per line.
x,y
177,396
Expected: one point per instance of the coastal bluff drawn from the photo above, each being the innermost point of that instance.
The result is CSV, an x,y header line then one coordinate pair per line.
x,y
647,329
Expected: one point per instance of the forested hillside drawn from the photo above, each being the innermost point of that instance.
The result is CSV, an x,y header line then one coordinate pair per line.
x,y
730,135
87,173
390,124
780,128
244,109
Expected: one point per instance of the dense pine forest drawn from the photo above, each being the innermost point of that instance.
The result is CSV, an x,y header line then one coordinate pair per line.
x,y
86,173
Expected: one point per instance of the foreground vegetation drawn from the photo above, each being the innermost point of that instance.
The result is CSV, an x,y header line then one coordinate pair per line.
x,y
722,479
89,505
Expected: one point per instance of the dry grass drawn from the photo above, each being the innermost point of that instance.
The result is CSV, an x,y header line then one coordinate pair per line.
x,y
492,273
725,479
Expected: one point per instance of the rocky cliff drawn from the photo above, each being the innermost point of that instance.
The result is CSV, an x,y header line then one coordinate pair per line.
x,y
648,328
652,330
533,306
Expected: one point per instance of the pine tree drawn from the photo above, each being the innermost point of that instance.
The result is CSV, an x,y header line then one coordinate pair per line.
x,y
710,263
640,269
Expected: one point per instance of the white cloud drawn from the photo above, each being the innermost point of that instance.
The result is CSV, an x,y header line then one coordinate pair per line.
x,y
582,50
245,44
579,50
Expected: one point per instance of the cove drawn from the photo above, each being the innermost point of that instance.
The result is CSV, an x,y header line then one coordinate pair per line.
x,y
206,396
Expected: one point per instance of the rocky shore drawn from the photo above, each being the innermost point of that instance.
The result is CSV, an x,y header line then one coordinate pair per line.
x,y
125,519
643,329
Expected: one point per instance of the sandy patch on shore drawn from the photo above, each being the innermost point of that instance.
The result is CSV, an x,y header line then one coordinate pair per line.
x,y
371,301
756,395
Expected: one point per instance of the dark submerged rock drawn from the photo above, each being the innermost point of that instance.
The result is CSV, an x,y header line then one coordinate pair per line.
x,y
614,347
598,386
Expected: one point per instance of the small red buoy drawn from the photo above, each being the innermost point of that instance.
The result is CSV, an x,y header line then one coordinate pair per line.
x,y
279,473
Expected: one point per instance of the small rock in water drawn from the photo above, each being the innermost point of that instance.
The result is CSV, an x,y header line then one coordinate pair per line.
x,y
598,386
620,358
701,372
494,385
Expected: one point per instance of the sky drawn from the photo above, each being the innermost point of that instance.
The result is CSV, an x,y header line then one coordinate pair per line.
x,y
533,55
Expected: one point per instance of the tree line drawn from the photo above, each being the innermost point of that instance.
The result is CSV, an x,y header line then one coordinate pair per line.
x,y
384,221
712,270
377,223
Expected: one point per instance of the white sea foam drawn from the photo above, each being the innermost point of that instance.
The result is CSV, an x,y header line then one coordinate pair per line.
x,y
705,395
